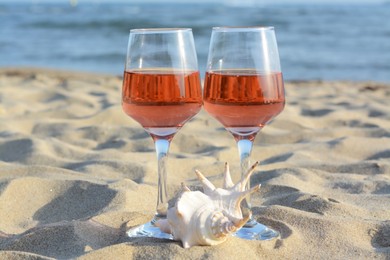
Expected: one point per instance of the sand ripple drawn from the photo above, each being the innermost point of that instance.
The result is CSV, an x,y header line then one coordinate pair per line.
x,y
76,173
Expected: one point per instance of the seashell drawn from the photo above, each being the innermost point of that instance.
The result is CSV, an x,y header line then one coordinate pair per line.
x,y
208,218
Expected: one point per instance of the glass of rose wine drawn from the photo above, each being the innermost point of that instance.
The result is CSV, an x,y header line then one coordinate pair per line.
x,y
161,91
244,90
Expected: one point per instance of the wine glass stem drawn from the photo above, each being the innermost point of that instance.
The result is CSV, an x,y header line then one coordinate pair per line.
x,y
162,147
245,149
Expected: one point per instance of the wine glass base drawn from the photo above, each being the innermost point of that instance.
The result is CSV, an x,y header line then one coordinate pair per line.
x,y
148,230
256,231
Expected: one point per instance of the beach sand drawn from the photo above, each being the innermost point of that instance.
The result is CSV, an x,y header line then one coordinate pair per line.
x,y
76,172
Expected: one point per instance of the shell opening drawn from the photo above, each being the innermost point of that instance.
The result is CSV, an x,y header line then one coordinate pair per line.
x,y
221,226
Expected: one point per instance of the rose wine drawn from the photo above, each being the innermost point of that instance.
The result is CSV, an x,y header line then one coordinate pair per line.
x,y
161,100
243,100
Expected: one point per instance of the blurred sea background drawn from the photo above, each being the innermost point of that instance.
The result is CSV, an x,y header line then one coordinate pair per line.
x,y
316,42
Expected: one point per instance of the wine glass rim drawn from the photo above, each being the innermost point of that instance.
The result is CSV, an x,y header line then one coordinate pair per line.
x,y
242,28
159,30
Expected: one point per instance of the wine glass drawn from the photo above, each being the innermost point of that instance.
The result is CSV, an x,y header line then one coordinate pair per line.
x,y
161,91
244,90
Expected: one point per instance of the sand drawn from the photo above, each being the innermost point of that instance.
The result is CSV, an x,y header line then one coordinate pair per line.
x,y
76,173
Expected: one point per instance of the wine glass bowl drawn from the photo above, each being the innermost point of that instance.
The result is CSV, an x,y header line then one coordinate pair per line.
x,y
154,99
243,101
244,91
161,91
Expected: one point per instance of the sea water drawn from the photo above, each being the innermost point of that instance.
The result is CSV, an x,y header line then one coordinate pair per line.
x,y
324,42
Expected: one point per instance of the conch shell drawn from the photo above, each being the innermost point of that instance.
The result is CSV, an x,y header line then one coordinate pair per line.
x,y
208,218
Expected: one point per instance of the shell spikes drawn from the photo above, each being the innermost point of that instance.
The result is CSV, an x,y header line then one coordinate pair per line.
x,y
208,218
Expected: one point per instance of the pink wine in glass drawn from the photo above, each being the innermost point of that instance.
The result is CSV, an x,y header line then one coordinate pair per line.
x,y
243,100
161,100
